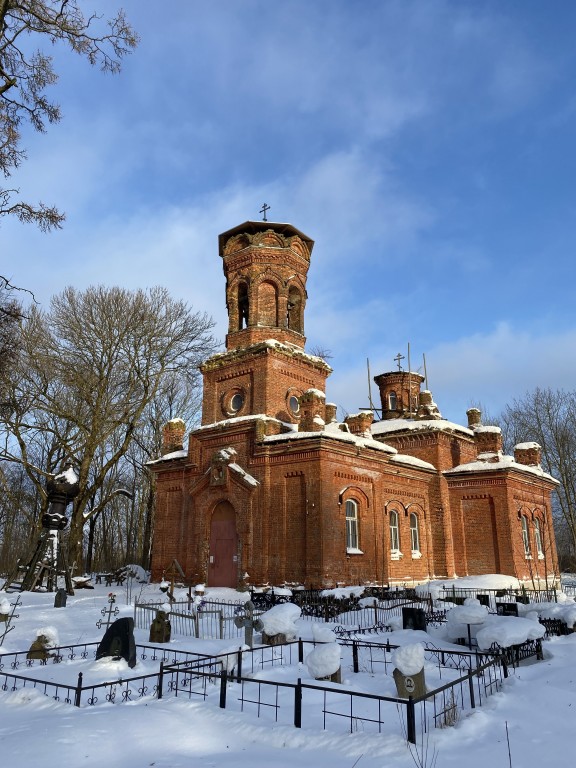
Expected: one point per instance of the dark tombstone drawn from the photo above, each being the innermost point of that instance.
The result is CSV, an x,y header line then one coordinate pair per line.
x,y
118,642
60,598
507,609
413,618
160,629
524,599
484,600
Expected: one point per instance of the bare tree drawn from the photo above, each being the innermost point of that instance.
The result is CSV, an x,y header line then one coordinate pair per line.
x,y
25,74
90,374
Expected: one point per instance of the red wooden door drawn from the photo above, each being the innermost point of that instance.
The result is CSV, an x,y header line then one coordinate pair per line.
x,y
223,562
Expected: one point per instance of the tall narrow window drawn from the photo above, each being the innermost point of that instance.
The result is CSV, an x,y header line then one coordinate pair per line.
x,y
243,306
394,532
351,525
525,535
392,401
538,537
414,534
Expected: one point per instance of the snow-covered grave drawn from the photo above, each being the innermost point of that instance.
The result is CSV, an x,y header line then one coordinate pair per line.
x,y
336,708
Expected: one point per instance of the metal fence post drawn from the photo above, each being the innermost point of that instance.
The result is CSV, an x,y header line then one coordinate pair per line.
x,y
223,683
298,704
411,720
78,692
300,650
471,688
160,680
355,655
239,665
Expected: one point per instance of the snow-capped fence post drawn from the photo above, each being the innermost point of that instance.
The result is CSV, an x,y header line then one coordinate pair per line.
x,y
410,720
78,692
355,655
298,704
160,680
223,684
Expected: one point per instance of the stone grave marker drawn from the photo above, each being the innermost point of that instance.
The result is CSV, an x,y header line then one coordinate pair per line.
x,y
60,598
507,609
118,641
160,629
484,600
413,618
409,685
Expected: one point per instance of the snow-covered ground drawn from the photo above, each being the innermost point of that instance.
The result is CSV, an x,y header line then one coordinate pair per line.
x,y
537,704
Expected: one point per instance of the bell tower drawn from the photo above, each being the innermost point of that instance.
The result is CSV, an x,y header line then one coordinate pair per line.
x,y
265,368
266,266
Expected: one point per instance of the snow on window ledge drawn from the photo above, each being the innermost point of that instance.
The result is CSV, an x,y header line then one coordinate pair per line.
x,y
353,551
528,557
396,554
540,555
416,554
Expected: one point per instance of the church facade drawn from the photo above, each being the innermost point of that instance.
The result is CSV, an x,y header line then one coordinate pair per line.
x,y
273,489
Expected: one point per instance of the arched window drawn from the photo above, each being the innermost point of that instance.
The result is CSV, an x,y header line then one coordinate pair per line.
x,y
243,306
394,532
525,535
294,314
538,537
352,540
414,533
392,401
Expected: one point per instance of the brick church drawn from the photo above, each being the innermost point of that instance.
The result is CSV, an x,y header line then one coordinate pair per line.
x,y
273,489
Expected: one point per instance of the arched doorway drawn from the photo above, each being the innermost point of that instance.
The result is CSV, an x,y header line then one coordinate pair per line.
x,y
223,563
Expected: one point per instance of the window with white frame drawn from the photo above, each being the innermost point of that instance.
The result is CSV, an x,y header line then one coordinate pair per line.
x,y
394,533
352,526
414,533
392,401
525,535
538,537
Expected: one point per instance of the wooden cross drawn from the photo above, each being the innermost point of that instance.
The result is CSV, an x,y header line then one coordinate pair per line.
x,y
263,211
397,359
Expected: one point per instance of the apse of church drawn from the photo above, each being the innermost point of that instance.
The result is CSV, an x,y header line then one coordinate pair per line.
x,y
273,489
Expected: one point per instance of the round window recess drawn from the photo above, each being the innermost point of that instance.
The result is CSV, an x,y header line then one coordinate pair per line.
x,y
236,402
294,404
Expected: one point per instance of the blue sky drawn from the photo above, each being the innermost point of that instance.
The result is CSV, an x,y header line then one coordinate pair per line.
x,y
426,147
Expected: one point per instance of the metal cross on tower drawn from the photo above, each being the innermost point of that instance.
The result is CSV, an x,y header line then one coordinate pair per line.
x,y
397,359
263,210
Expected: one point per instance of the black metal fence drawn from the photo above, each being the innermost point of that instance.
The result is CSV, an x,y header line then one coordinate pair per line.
x,y
477,676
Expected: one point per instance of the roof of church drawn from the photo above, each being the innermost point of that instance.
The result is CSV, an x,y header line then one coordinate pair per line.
x,y
251,227
389,426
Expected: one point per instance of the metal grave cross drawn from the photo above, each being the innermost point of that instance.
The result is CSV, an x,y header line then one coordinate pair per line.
x,y
108,613
249,623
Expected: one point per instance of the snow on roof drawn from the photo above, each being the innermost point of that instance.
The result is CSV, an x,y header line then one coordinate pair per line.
x,y
526,446
176,421
502,463
169,457
388,426
244,475
488,428
402,458
333,432
291,349
317,392
236,420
